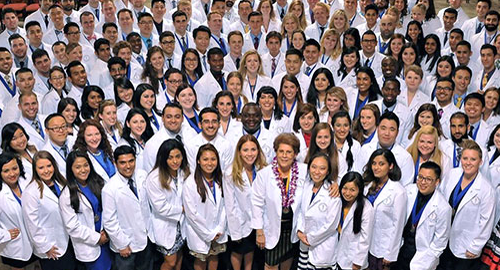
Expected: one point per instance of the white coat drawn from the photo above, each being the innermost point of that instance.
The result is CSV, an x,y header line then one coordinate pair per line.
x,y
264,136
318,220
238,203
353,248
229,64
206,89
266,203
98,168
61,162
267,63
204,220
35,137
223,146
475,214
80,227
389,221
248,43
43,220
348,81
261,81
433,229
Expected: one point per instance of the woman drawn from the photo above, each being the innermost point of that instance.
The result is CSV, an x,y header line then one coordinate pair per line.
x,y
303,124
164,187
322,142
153,69
57,90
402,7
145,99
253,74
321,80
432,52
248,160
395,44
335,101
186,97
69,109
346,75
93,140
356,224
136,132
347,146
273,117
289,25
315,227
204,209
299,40
388,198
42,215
17,251
91,97
444,67
234,86
81,211
365,90
426,115
191,66
414,34
15,140
339,22
331,49
431,22
351,38
107,116
270,22
224,103
124,93
290,96
425,147
413,97
365,126
407,57
275,198
394,12
491,112
297,10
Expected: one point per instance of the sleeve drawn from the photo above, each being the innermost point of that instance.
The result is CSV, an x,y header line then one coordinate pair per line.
x,y
317,237
31,208
159,201
440,238
234,221
110,220
407,169
399,216
485,225
4,232
258,201
196,220
365,238
222,224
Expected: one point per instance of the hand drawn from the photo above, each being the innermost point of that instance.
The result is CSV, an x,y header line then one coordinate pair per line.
x,y
125,253
386,264
334,190
53,253
470,255
103,239
261,239
355,267
217,236
303,238
14,233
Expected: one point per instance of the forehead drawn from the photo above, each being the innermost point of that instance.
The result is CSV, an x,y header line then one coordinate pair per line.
x,y
57,120
388,123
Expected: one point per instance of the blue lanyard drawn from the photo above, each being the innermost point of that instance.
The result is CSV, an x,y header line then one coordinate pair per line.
x,y
342,218
252,87
224,86
288,113
256,136
381,48
193,125
191,82
456,162
222,47
492,38
369,139
372,198
239,105
311,70
58,152
211,188
128,72
11,91
315,194
457,194
323,59
155,121
58,190
358,107
15,196
180,43
287,43
415,217
254,172
353,18
417,166
168,99
474,134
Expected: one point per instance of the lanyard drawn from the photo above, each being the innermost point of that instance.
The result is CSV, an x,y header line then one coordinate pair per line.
x,y
15,196
493,157
285,111
254,173
11,91
180,43
252,87
58,190
168,99
191,82
58,152
359,106
415,217
417,165
486,41
239,105
221,46
457,194
193,125
128,72
369,139
155,121
456,162
372,198
315,194
323,61
212,188
311,70
474,134
353,18
381,48
104,164
97,213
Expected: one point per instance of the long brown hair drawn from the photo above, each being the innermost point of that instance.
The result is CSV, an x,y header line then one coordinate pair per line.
x,y
237,169
104,145
56,177
331,151
161,162
198,174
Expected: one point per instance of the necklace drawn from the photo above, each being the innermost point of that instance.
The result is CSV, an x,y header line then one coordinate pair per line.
x,y
287,192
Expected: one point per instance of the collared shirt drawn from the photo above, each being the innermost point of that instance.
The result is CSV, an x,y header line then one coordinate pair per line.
x,y
145,40
253,36
456,96
384,107
219,76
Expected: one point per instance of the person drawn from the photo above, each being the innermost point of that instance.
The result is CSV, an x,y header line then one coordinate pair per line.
x,y
164,187
59,144
318,216
68,108
413,97
365,90
108,119
427,229
432,52
15,140
298,40
444,103
124,92
347,146
289,24
81,211
388,198
365,126
303,124
444,68
18,251
395,44
191,66
136,132
335,100
235,87
275,198
272,61
253,74
331,49
491,114
349,63
91,97
42,215
154,69
92,139
30,119
493,148
426,115
214,80
321,81
145,99
407,56
356,224
203,202
187,98
472,199
57,91
290,96
479,130
224,103
297,10
248,160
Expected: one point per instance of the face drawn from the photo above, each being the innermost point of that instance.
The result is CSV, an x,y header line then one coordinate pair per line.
x,y
457,127
10,172
487,58
73,34
136,44
341,128
236,44
290,25
5,62
157,60
109,10
274,46
289,90
244,10
25,82
330,41
92,138
413,80
59,52
390,91
57,16
368,43
363,81
473,108
371,17
319,169
208,162
470,161
387,132
350,60
285,156
444,69
81,169
215,22
350,192
339,22
69,114
187,98
168,45
234,86
210,125
251,117
125,94
158,9
321,15
444,91
94,99
29,107
34,34
387,27
78,76
173,81
75,55
425,118
462,80
265,7
321,83
225,106
426,144
491,99
202,41
125,54
463,54
148,99
108,115
191,61
10,20
454,39
297,11
496,139
19,141
413,31
367,119
216,62
350,5
111,34
430,46
137,125
491,22
409,56
333,103
427,181
396,45
266,102
88,24
307,122
180,24
249,152
381,167
18,47
172,119
57,130
255,23
298,41
417,15
44,169
174,160
349,40
42,64
448,20
311,55
323,139
125,165
292,64
252,63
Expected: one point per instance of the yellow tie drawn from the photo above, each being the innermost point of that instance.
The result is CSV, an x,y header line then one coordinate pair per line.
x,y
247,28
459,102
484,81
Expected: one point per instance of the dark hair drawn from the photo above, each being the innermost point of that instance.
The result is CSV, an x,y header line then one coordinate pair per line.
x,y
464,43
7,157
198,174
31,24
445,58
420,43
178,13
489,46
491,139
56,176
123,83
360,200
343,69
431,11
329,177
200,29
198,70
63,103
107,25
431,165
94,181
68,25
312,92
331,151
374,90
293,51
303,110
15,36
462,115
312,42
219,95
123,150
71,65
372,6
391,117
183,87
496,110
136,99
401,64
116,60
452,11
354,32
126,133
149,72
8,132
104,145
166,33
87,111
99,42
273,34
143,15
437,53
50,117
475,95
209,110
214,51
161,161
394,174
427,107
38,53
446,79
349,157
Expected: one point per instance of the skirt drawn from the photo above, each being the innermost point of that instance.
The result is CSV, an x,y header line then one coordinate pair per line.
x,y
305,264
18,263
244,245
285,249
178,243
215,249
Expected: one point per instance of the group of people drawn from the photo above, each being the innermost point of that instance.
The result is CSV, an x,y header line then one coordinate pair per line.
x,y
250,135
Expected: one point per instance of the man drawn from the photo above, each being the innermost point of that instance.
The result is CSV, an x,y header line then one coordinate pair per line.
x,y
138,55
160,22
7,87
148,38
123,50
138,7
167,43
426,232
55,32
212,81
461,15
456,35
89,36
244,9
95,8
371,16
217,39
369,56
77,76
387,27
232,60
209,123
20,51
31,120
116,69
174,78
110,32
317,29
387,132
42,64
389,69
59,52
273,62
443,102
183,39
193,16
479,130
102,52
463,57
280,8
255,38
70,14
125,214
34,35
172,129
489,76
58,144
41,15
353,16
73,35
382,6
449,19
475,25
309,14
461,77
109,15
310,65
487,35
201,36
219,6
10,20
126,23
293,63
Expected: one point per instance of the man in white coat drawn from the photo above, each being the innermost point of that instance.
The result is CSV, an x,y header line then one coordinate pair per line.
x,y
58,144
369,56
32,122
10,20
487,35
41,15
310,65
475,25
255,39
213,81
428,216
444,103
233,58
479,130
183,38
77,75
489,76
321,12
126,214
273,62
7,77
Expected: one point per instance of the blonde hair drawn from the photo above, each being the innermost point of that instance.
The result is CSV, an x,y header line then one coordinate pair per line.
x,y
290,16
337,51
106,103
416,69
339,93
413,148
243,68
302,18
339,12
237,168
472,145
322,5
393,11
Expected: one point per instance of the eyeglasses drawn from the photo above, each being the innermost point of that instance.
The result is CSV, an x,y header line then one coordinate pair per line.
x,y
175,81
74,33
168,42
425,179
58,129
439,88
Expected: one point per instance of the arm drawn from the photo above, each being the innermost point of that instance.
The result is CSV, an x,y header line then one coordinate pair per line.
x,y
399,215
190,198
258,202
160,202
328,229
110,220
440,238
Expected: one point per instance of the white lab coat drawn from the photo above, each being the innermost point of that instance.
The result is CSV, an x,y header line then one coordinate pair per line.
x,y
35,137
61,162
224,149
80,227
261,81
433,229
206,88
266,203
43,220
204,220
267,63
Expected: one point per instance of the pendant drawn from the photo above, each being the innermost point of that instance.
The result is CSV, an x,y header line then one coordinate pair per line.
x,y
286,210
96,218
413,228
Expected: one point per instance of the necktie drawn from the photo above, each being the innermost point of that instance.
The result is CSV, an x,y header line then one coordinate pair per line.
x,y
9,82
440,113
445,38
367,62
140,59
46,20
321,31
382,48
205,7
273,67
132,187
204,58
308,69
471,132
68,19
222,46
169,61
479,27
149,43
97,13
238,63
36,125
178,137
312,16
21,64
174,4
484,82
256,42
64,150
58,32
184,45
459,102
247,28
282,13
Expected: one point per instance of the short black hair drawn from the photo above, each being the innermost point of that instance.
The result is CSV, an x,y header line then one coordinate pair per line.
x,y
431,165
273,34
7,10
457,31
475,95
464,43
123,150
38,53
68,25
50,116
493,12
462,115
23,70
165,34
71,65
461,67
178,13
312,42
200,29
390,116
171,105
15,36
31,24
116,60
208,110
489,46
153,2
132,34
254,14
368,32
446,79
108,25
293,51
373,7
143,15
392,79
99,42
452,11
214,51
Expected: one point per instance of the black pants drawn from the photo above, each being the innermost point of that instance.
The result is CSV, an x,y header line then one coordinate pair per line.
x,y
448,261
142,260
65,262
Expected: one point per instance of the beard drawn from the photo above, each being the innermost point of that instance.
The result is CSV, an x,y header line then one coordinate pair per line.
x,y
491,27
459,140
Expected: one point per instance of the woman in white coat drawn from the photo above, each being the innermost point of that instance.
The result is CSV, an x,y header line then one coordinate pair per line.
x,y
81,212
348,147
17,251
290,95
303,124
388,198
42,216
224,103
248,160
275,197
107,115
164,186
204,209
253,75
15,140
273,118
318,217
494,162
356,224
345,76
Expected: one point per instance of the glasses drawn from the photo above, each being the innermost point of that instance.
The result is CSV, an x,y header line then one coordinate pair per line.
x,y
425,179
175,81
439,88
168,42
74,33
369,40
58,129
